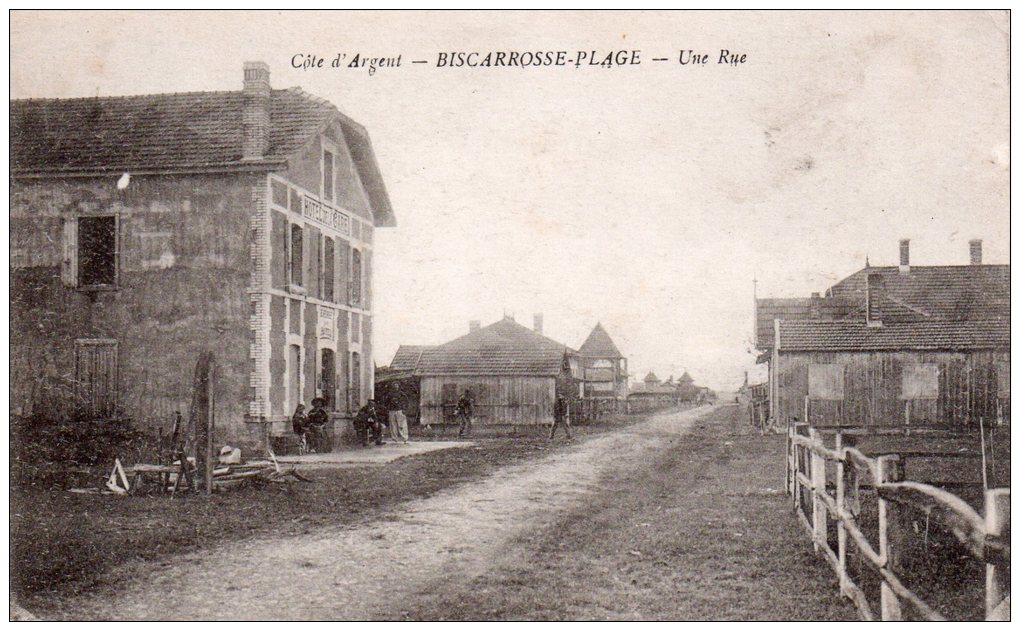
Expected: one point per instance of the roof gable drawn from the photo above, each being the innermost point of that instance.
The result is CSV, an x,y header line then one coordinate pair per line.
x,y
599,345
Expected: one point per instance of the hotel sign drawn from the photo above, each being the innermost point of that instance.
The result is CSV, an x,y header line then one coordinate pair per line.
x,y
326,215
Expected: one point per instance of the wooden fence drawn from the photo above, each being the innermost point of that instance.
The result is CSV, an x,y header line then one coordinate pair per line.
x,y
817,502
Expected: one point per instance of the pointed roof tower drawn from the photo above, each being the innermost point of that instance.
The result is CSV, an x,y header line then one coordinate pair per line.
x,y
599,345
651,378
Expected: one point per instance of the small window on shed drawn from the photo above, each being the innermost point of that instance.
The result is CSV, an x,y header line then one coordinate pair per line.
x,y
97,251
825,381
920,382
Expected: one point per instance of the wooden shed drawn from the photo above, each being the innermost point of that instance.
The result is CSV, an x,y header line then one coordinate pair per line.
x,y
894,347
513,372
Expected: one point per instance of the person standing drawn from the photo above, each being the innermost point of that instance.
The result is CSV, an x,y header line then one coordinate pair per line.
x,y
561,416
299,423
465,410
315,429
398,421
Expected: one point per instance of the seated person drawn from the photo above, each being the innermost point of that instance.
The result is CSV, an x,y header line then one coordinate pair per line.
x,y
368,424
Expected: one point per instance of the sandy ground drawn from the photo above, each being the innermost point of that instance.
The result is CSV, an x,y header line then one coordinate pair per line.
x,y
375,454
371,570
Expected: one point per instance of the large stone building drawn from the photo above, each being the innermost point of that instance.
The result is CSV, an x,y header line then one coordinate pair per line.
x,y
145,230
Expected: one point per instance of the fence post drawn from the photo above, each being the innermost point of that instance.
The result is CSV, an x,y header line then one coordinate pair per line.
x,y
996,519
789,459
819,516
840,512
890,602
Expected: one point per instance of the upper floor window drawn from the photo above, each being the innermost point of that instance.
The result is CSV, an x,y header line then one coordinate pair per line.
x,y
91,250
297,255
328,180
328,265
355,276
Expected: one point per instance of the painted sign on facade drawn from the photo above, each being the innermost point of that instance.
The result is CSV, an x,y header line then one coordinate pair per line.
x,y
326,215
327,323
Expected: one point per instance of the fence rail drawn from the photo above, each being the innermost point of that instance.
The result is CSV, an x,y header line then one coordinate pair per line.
x,y
985,537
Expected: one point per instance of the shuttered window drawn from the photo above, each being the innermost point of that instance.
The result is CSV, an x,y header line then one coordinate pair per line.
x,y
355,277
825,381
920,382
91,249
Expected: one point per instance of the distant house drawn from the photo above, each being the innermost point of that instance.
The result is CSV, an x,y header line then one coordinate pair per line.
x,y
652,394
899,346
603,368
148,229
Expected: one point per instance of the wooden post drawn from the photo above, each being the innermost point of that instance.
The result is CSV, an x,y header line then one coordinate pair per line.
x,y
841,511
996,519
201,415
819,515
890,603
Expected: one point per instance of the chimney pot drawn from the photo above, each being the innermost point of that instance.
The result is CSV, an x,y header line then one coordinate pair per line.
x,y
538,323
975,252
255,111
474,325
904,255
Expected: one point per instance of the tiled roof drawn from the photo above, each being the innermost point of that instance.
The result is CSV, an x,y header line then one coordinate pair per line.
x,y
505,332
771,309
599,345
651,378
499,360
852,335
173,132
952,293
504,348
407,357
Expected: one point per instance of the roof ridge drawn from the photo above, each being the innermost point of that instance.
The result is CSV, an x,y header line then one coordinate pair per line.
x,y
119,97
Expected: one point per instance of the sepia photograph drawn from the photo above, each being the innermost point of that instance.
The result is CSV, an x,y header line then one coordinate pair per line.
x,y
509,315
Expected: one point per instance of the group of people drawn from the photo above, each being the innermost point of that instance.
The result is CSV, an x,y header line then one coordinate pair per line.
x,y
310,426
370,425
371,422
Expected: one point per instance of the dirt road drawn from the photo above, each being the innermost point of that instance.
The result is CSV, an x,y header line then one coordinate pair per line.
x,y
393,567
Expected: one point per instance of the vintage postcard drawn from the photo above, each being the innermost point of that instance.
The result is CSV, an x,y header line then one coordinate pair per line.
x,y
509,315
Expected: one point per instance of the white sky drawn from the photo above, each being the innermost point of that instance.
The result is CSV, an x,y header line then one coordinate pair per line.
x,y
646,197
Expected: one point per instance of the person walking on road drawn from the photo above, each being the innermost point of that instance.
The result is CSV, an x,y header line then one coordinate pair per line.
x,y
465,410
561,417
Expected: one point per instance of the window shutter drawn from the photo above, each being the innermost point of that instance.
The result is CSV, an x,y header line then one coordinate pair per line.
x,y
69,266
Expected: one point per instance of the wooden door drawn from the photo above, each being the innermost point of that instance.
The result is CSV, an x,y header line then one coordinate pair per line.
x,y
95,375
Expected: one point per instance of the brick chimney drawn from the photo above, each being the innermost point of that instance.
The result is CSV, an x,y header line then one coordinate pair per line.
x,y
816,305
975,252
904,255
255,111
474,325
538,323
